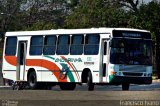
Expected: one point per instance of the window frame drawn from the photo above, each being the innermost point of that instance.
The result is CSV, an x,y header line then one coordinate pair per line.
x,y
42,45
78,44
50,45
59,44
91,44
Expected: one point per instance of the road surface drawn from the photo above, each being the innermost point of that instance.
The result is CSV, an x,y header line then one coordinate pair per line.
x,y
139,95
155,86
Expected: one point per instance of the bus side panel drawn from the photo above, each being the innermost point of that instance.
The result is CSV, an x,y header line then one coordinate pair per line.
x,y
61,69
68,68
34,62
8,65
92,63
9,69
47,69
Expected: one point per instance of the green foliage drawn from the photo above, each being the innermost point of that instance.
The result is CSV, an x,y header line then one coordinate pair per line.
x,y
95,13
50,14
147,18
42,26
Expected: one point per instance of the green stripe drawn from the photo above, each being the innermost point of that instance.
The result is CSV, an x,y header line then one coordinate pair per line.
x,y
69,74
50,57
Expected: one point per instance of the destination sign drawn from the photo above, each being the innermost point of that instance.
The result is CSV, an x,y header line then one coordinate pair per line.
x,y
131,34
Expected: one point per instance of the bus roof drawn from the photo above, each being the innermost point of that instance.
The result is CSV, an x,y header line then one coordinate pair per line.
x,y
70,31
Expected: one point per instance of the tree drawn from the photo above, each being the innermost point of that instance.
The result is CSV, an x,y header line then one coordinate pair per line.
x,y
8,10
96,13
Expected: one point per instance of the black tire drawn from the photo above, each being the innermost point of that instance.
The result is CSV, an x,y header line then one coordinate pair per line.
x,y
90,83
125,86
32,80
67,86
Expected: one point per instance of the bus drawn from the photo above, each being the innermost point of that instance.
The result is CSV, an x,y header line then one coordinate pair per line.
x,y
66,57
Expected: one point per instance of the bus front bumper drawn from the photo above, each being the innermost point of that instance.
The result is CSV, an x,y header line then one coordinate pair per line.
x,y
132,80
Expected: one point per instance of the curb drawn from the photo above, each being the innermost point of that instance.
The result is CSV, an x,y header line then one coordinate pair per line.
x,y
5,87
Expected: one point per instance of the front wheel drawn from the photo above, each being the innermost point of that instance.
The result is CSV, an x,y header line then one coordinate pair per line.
x,y
90,82
125,86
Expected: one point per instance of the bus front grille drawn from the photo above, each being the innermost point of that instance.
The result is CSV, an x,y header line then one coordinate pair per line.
x,y
132,74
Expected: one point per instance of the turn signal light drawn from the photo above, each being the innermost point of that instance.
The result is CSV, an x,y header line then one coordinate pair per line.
x,y
113,73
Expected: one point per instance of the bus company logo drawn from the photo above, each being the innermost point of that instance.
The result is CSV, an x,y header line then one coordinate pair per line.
x,y
67,60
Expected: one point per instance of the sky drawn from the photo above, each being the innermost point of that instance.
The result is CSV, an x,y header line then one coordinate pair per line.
x,y
147,1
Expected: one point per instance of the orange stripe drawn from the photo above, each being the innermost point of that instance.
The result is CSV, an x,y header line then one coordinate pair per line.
x,y
11,60
38,62
46,64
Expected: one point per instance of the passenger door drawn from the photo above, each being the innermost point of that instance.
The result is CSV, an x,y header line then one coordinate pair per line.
x,y
21,59
104,60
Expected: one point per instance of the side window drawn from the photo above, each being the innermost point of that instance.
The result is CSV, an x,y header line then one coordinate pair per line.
x,y
63,45
49,45
36,45
91,44
11,46
77,44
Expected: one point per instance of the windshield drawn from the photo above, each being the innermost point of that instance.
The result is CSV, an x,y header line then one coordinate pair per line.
x,y
131,51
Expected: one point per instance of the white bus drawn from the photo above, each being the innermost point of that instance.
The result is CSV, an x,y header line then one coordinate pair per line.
x,y
66,57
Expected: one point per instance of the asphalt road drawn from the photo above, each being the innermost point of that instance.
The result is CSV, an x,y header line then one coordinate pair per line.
x,y
155,86
147,95
72,98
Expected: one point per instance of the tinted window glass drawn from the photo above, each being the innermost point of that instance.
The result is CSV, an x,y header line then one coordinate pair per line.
x,y
63,39
63,45
92,39
50,40
11,46
77,39
36,45
77,44
91,44
131,51
49,45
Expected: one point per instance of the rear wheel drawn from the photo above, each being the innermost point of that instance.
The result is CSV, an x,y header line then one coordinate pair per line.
x,y
32,80
90,82
125,86
67,86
